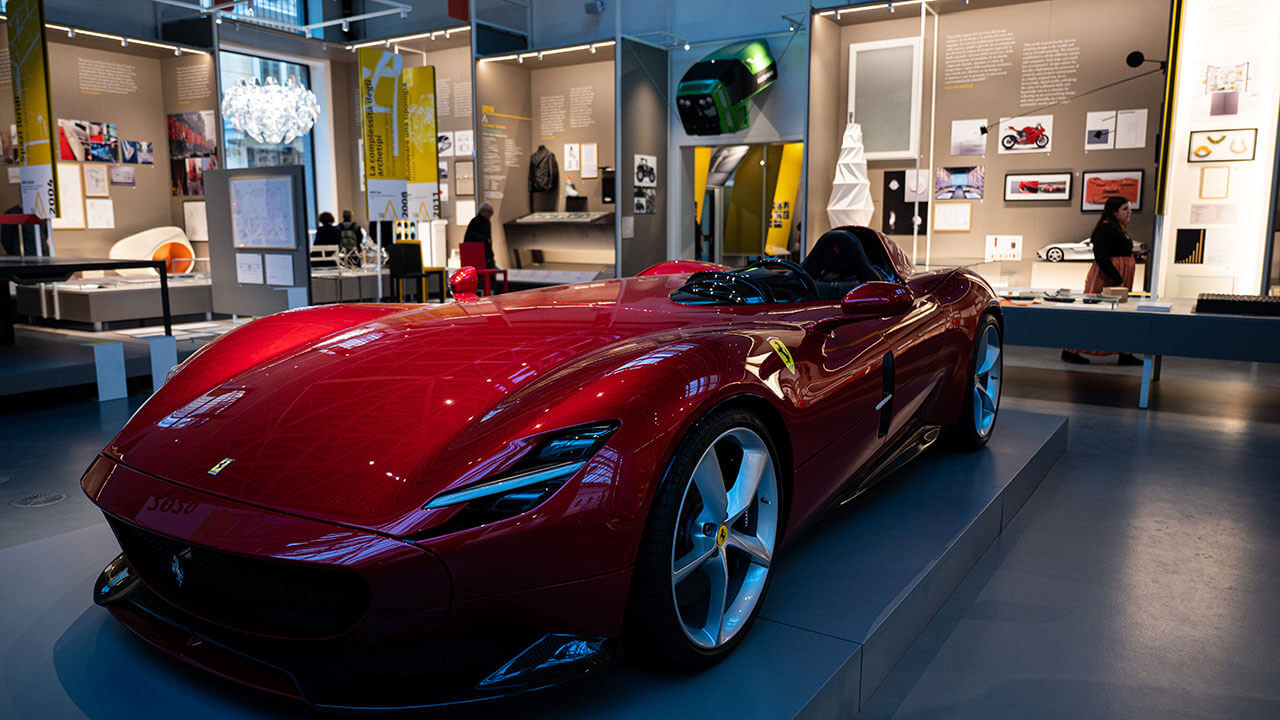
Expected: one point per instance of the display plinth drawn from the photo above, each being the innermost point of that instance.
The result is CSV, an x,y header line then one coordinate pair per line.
x,y
848,599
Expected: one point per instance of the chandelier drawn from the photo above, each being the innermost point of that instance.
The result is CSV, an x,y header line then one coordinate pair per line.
x,y
270,113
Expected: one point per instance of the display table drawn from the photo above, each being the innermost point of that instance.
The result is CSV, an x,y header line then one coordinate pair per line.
x,y
23,270
337,285
113,300
1124,328
575,218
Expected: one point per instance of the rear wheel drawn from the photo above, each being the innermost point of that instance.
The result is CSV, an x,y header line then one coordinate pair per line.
x,y
1008,141
982,391
705,559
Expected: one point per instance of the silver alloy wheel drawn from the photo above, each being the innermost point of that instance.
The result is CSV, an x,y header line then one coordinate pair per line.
x,y
1054,255
986,381
724,538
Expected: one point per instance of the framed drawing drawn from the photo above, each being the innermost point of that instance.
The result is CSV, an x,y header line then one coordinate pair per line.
x,y
464,172
885,80
1215,182
95,181
1037,186
952,216
590,161
1222,145
70,199
1097,186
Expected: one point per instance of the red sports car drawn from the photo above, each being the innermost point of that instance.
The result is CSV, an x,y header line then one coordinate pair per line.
x,y
395,506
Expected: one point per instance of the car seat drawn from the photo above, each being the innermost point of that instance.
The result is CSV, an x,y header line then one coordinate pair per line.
x,y
840,261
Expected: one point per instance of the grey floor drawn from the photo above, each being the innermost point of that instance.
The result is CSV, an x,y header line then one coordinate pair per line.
x,y
1141,580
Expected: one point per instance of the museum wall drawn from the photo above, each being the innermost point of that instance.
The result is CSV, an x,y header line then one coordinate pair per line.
x,y
644,126
523,106
776,115
503,146
133,100
189,84
344,89
1002,64
453,114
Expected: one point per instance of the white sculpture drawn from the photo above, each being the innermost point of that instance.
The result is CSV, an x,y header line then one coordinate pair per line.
x,y
850,202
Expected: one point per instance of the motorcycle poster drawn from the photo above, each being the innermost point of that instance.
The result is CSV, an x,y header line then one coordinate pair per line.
x,y
1026,134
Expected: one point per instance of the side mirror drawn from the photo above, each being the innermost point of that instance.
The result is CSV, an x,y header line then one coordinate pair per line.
x,y
878,299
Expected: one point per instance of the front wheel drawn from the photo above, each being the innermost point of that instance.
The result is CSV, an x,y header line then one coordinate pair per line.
x,y
982,391
1054,255
705,558
1042,141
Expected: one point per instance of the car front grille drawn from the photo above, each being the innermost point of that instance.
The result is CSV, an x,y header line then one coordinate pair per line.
x,y
254,595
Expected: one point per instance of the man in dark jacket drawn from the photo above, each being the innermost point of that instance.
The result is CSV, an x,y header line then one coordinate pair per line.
x,y
480,230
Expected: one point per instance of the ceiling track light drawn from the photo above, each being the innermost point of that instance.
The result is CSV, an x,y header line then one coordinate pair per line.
x,y
346,26
890,7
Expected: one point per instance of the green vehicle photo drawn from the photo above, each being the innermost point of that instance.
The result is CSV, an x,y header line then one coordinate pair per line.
x,y
712,96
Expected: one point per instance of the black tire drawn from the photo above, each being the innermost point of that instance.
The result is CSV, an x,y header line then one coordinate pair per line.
x,y
1008,141
970,432
1042,141
655,626
1054,255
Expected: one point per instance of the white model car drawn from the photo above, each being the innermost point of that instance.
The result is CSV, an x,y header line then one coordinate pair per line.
x,y
1083,250
1057,252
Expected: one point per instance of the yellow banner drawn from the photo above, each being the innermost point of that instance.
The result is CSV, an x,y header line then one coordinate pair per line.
x,y
29,62
701,169
420,129
784,200
382,124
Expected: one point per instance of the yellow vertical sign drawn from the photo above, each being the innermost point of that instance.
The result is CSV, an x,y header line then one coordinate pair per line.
x,y
29,63
701,169
420,129
784,200
382,127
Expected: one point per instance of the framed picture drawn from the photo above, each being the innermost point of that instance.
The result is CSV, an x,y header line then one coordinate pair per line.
x,y
590,161
952,216
1222,145
1096,186
1215,182
1037,186
960,183
70,199
1025,134
885,81
95,181
464,177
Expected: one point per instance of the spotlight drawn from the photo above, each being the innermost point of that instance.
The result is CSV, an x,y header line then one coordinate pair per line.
x,y
686,47
346,26
891,7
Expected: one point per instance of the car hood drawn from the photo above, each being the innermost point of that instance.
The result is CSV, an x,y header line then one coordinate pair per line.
x,y
364,425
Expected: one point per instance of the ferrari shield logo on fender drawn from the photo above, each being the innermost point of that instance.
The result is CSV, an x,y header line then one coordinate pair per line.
x,y
783,353
221,464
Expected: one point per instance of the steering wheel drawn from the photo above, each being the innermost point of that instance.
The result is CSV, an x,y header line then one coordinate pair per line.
x,y
728,286
805,278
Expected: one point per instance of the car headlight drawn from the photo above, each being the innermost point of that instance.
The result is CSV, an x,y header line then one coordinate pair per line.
x,y
526,484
